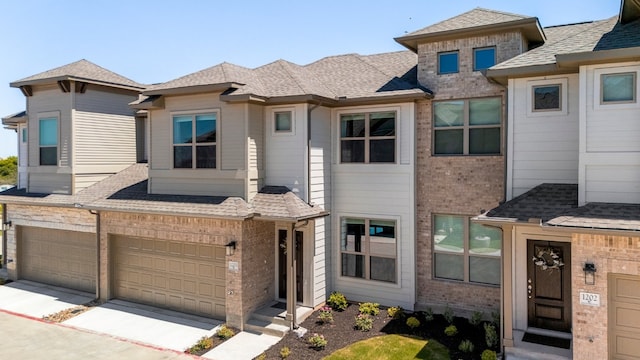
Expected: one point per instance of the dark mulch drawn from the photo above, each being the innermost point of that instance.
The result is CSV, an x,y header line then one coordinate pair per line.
x,y
341,333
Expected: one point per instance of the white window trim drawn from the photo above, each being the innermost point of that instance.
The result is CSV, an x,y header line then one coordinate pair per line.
x,y
355,280
367,110
46,115
195,112
564,103
598,104
272,121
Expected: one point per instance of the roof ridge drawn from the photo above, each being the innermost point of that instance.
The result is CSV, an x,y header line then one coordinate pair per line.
x,y
503,12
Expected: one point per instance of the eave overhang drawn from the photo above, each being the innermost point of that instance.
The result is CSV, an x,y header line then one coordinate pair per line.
x,y
54,80
185,90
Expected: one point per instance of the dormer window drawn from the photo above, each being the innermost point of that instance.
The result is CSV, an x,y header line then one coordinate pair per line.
x,y
484,58
448,62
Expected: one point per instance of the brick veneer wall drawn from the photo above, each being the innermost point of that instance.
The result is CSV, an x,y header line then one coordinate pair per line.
x,y
611,254
44,217
456,185
258,260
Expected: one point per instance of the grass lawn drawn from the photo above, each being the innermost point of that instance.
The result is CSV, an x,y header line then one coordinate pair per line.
x,y
392,347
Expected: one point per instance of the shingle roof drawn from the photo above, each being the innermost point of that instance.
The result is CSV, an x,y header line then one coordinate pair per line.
x,y
557,205
15,118
80,70
126,191
334,77
470,19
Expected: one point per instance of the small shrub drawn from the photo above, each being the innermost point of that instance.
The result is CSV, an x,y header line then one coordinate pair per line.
x,y
490,335
451,330
413,322
262,356
395,312
364,322
204,343
325,316
285,352
466,346
448,315
476,318
369,308
428,315
488,355
224,332
495,316
317,341
337,301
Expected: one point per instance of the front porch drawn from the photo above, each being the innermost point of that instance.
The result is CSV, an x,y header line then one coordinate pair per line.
x,y
272,319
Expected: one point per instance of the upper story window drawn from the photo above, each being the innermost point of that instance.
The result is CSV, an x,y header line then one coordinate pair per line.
x,y
194,141
48,140
368,249
467,127
618,88
484,58
368,137
282,121
448,62
24,135
547,97
466,251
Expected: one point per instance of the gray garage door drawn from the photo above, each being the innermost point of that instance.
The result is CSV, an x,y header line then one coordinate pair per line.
x,y
624,317
180,276
58,257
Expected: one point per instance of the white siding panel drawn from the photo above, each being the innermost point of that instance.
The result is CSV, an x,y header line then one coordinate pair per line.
x,y
104,139
320,166
255,150
610,183
545,145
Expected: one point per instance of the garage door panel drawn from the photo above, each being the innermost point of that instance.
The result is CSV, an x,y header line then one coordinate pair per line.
x,y
58,257
186,277
624,316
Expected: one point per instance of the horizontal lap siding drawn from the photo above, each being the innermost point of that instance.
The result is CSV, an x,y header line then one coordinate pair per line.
x,y
545,145
50,183
104,139
255,150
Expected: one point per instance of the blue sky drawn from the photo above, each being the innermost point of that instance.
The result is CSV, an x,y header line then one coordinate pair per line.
x,y
156,41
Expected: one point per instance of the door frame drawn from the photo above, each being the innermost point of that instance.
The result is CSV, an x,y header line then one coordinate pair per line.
x,y
307,262
564,325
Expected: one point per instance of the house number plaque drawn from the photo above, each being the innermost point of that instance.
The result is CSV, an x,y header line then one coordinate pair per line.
x,y
590,299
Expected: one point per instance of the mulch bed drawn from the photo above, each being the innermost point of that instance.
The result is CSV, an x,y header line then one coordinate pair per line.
x,y
213,340
341,333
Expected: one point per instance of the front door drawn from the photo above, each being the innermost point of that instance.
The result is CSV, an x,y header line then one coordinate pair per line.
x,y
549,285
282,264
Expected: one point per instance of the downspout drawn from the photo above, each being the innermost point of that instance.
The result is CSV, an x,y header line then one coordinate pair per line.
x,y
97,214
4,236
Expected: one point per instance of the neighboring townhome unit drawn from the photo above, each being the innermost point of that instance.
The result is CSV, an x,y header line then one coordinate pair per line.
x,y
571,225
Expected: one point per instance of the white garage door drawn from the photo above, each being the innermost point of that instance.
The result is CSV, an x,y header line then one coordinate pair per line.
x,y
180,276
58,257
624,317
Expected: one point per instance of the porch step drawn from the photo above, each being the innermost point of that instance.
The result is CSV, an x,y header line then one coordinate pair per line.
x,y
527,354
265,327
278,320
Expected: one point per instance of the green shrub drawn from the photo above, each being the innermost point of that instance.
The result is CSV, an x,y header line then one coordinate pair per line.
x,y
448,315
476,318
326,315
204,343
395,312
466,346
428,315
317,341
369,308
490,335
451,330
224,332
488,355
337,301
413,322
285,352
495,316
364,322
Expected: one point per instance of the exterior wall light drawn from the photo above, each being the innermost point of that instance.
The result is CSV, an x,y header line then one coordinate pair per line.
x,y
589,273
6,225
230,248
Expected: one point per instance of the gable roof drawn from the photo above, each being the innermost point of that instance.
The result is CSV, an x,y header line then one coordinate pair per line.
x,y
557,205
474,22
81,70
333,79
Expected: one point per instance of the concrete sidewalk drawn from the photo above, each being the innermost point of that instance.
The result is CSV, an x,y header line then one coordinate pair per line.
x,y
118,320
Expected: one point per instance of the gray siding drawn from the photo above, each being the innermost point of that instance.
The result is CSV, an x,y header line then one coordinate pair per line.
x,y
82,181
255,150
49,183
98,99
104,139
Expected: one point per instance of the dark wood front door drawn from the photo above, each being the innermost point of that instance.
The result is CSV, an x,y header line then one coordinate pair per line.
x,y
282,264
549,285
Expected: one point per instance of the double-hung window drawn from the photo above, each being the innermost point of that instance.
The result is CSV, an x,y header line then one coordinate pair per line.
x,y
48,140
467,127
368,137
194,141
466,251
368,249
